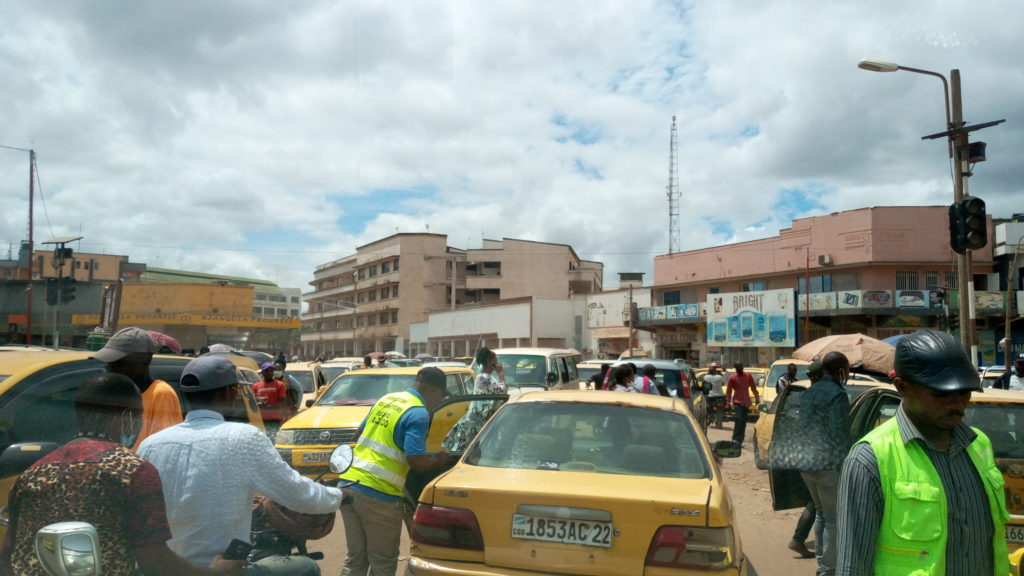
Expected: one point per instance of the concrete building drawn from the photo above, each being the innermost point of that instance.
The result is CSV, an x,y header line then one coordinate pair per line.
x,y
881,271
369,300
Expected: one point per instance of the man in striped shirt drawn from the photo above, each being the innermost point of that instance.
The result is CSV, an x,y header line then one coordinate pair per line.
x,y
921,493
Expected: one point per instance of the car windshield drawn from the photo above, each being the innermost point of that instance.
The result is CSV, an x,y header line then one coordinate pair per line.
x,y
524,370
595,438
586,372
364,389
332,372
777,370
1004,426
304,378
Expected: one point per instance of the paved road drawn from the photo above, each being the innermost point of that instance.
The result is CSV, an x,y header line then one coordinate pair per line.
x,y
764,533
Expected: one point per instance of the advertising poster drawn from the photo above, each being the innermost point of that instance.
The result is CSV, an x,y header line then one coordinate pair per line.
x,y
752,319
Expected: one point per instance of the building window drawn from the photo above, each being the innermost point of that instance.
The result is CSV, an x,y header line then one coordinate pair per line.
x,y
753,286
394,316
359,321
383,317
385,293
931,280
394,289
257,311
819,284
362,273
952,280
670,298
371,320
295,299
395,267
261,296
385,267
713,290
373,271
906,280
360,297
373,295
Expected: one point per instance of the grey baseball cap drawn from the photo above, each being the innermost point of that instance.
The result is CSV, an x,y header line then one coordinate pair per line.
x,y
208,372
935,360
126,341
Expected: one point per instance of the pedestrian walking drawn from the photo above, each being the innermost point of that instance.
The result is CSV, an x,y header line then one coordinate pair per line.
x,y
737,393
807,519
921,493
825,426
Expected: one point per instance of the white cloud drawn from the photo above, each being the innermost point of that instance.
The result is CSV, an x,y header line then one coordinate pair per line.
x,y
244,137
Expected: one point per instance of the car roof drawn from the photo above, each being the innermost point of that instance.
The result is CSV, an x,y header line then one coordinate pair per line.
x,y
998,395
658,364
14,362
443,364
405,370
300,366
602,397
534,351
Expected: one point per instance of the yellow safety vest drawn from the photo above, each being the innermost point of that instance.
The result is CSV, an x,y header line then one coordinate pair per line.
x,y
378,462
912,536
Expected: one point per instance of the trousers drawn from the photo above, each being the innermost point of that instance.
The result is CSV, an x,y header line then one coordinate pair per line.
x,y
373,532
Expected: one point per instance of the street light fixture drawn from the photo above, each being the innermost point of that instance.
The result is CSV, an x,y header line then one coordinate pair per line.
x,y
957,136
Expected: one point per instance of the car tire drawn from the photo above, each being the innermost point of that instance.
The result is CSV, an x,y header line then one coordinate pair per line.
x,y
759,462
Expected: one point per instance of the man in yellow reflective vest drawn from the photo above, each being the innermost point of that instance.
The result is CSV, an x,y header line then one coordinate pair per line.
x,y
391,441
921,494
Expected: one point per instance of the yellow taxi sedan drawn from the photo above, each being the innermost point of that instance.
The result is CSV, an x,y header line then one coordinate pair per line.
x,y
580,482
306,440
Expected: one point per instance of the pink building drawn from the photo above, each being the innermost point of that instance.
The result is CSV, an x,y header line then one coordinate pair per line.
x,y
880,271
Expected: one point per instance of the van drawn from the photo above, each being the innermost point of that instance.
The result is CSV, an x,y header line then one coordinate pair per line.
x,y
538,369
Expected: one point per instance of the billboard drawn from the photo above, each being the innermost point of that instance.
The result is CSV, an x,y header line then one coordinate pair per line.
x,y
752,319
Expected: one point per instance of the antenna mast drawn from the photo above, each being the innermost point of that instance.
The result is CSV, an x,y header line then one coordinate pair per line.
x,y
673,191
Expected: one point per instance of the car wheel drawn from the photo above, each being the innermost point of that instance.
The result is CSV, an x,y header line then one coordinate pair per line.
x,y
759,462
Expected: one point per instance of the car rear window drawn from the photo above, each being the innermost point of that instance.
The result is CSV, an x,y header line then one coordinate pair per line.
x,y
305,379
595,438
524,370
1004,426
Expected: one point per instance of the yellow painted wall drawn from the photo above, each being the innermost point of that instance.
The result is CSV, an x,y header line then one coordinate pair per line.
x,y
186,299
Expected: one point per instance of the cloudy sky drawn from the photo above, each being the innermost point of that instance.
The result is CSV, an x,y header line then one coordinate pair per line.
x,y
261,138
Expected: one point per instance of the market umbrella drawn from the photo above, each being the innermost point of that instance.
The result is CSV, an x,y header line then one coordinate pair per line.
x,y
162,340
377,355
221,348
395,354
864,352
424,356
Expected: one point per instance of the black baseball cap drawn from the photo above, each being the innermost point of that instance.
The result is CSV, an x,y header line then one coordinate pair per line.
x,y
432,376
935,360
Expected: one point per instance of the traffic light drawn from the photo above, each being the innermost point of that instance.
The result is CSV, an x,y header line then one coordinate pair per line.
x,y
67,290
51,291
968,226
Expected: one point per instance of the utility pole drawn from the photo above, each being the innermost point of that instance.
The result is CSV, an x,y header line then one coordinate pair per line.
x,y
31,203
673,190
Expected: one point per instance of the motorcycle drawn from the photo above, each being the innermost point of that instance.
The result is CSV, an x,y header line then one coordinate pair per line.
x,y
716,411
73,548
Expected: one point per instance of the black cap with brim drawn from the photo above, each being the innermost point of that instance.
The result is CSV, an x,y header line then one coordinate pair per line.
x,y
935,360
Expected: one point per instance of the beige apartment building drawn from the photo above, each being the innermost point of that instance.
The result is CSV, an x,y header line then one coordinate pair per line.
x,y
366,301
880,271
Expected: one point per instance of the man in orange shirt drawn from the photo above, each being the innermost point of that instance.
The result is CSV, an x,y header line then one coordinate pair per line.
x,y
737,392
272,395
129,353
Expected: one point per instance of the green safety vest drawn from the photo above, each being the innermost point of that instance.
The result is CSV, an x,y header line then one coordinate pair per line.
x,y
912,536
378,462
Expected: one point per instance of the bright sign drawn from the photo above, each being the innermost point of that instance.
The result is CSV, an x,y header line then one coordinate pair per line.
x,y
752,319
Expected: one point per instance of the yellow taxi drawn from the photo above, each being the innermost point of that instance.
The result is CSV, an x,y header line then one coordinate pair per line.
x,y
306,440
310,376
580,482
37,403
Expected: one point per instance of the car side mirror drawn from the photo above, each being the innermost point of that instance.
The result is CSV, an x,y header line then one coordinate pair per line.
x,y
763,407
341,459
727,449
552,378
309,402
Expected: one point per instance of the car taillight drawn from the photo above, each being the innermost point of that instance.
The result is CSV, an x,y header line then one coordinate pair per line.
x,y
449,527
691,547
686,384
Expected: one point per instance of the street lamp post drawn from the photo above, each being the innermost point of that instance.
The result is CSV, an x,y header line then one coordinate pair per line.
x,y
957,137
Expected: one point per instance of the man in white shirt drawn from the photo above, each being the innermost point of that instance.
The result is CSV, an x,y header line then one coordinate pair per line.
x,y
210,469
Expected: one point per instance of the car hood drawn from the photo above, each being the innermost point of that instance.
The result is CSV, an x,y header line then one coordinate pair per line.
x,y
327,417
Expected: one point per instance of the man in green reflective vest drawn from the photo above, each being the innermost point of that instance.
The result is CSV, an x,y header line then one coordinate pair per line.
x,y
391,441
921,494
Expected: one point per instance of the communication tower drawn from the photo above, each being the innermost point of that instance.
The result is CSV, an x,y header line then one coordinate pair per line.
x,y
673,191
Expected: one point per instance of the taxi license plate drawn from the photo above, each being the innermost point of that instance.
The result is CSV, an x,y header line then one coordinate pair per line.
x,y
315,457
1015,534
582,532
